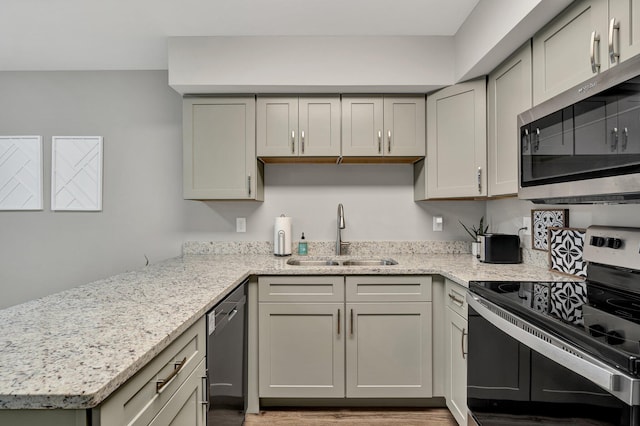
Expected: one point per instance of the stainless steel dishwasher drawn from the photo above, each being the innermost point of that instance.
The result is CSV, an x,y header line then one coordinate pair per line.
x,y
226,359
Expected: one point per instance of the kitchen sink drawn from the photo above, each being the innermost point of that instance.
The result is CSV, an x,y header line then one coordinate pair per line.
x,y
369,262
334,262
309,262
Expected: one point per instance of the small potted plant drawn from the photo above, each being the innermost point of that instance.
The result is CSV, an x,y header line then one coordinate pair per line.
x,y
475,232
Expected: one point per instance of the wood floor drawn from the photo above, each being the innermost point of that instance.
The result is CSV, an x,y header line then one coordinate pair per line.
x,y
352,417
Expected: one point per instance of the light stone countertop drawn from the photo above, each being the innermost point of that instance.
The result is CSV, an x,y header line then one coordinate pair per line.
x,y
71,350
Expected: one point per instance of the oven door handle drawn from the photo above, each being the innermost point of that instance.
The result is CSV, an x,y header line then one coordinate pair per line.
x,y
623,387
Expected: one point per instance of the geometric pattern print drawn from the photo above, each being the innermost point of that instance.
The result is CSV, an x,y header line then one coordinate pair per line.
x,y
540,297
76,175
20,173
566,248
541,221
567,300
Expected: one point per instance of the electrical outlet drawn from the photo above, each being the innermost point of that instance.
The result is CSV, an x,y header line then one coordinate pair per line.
x,y
438,222
241,224
526,223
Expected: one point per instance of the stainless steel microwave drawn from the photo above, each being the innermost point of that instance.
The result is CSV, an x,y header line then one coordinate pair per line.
x,y
583,146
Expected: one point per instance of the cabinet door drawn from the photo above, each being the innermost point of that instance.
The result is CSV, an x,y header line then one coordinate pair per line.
x,y
219,157
362,126
404,126
457,141
187,407
319,125
301,350
277,127
509,94
626,40
561,50
456,368
389,350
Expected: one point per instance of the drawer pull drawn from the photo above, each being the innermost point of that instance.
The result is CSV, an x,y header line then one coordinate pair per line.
x,y
455,299
160,383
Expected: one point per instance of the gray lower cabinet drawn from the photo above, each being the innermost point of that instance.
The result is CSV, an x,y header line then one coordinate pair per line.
x,y
168,390
456,357
331,337
456,162
383,126
298,126
508,94
219,149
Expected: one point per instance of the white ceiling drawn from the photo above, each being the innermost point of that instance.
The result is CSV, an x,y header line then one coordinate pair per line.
x,y
132,34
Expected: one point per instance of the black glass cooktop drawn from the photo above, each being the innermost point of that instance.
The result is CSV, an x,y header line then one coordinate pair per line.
x,y
601,320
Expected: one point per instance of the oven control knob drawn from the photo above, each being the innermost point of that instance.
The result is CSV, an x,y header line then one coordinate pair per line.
x,y
615,338
596,330
614,243
597,241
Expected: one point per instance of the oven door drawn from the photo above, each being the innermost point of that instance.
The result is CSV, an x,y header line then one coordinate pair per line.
x,y
520,374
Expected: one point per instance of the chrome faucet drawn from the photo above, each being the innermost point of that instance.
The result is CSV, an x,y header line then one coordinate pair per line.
x,y
340,226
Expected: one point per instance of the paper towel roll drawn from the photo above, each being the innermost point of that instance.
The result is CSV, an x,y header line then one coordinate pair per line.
x,y
282,236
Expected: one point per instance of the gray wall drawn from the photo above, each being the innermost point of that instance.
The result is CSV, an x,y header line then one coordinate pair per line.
x,y
139,117
377,198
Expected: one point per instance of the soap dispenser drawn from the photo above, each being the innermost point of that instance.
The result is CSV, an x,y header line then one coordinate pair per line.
x,y
302,246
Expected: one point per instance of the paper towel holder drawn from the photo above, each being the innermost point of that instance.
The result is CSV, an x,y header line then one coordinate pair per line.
x,y
282,236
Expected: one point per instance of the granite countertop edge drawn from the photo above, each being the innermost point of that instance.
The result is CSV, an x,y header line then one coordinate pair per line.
x,y
150,316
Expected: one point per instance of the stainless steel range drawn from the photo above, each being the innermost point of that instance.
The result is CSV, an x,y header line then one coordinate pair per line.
x,y
560,352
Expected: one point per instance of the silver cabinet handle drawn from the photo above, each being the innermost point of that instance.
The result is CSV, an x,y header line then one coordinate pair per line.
x,y
379,142
293,141
456,300
614,139
249,184
351,320
389,141
595,66
302,141
613,25
525,141
464,333
537,140
338,321
479,179
177,366
205,391
625,138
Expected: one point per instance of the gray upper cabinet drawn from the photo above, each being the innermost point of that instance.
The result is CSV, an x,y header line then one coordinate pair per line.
x,y
377,126
219,157
456,143
509,94
296,127
624,29
571,49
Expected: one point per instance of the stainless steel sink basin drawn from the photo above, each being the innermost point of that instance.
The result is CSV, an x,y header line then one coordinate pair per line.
x,y
334,262
310,262
369,262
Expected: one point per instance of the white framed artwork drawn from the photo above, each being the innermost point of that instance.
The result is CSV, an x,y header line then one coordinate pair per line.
x,y
76,173
21,173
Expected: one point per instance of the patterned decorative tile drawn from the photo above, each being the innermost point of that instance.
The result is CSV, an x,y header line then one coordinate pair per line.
x,y
566,300
76,173
20,173
566,246
541,220
540,297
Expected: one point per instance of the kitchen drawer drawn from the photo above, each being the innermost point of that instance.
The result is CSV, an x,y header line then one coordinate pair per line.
x,y
456,297
139,400
301,289
402,288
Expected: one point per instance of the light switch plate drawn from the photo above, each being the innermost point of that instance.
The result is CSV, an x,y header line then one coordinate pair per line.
x,y
241,224
438,222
